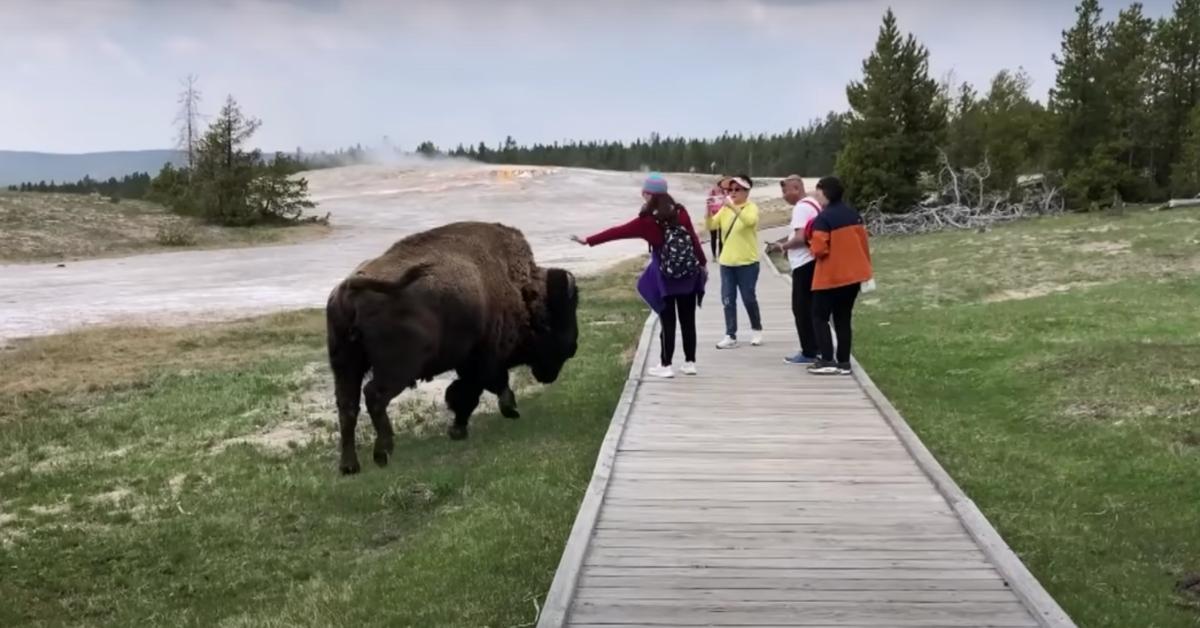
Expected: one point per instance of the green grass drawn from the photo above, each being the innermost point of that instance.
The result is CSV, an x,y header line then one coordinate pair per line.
x,y
1053,367
127,500
39,227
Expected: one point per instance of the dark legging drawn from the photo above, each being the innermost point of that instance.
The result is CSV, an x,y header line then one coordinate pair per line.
x,y
837,303
685,305
714,238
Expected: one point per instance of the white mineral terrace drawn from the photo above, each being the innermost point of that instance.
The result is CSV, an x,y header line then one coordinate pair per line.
x,y
371,207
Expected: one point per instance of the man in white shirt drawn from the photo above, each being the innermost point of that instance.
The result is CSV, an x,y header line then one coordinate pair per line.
x,y
801,260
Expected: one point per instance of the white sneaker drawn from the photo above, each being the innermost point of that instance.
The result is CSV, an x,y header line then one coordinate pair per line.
x,y
757,339
727,343
689,368
664,372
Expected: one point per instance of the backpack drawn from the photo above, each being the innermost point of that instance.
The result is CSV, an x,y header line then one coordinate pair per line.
x,y
677,259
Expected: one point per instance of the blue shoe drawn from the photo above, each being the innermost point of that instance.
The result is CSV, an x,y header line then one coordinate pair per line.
x,y
799,358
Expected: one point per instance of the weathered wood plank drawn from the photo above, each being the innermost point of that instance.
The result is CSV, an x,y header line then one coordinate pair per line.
x,y
879,451
795,525
618,541
650,517
666,555
635,564
894,614
793,488
967,572
589,582
774,496
702,596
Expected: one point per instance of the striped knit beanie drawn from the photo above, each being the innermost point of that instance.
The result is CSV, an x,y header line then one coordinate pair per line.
x,y
655,184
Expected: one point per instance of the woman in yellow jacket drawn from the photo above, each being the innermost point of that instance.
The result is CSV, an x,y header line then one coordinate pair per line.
x,y
738,224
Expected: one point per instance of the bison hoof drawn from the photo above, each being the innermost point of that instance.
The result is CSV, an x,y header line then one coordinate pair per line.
x,y
457,432
508,405
383,450
349,467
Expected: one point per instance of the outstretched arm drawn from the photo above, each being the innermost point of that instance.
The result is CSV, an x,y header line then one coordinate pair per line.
x,y
632,229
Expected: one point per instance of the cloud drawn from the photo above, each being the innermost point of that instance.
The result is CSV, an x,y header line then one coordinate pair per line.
x,y
324,73
184,46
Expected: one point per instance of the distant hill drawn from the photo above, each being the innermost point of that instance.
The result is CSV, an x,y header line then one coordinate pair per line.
x,y
21,166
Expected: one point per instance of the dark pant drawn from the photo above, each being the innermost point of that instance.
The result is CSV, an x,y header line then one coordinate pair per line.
x,y
837,303
714,238
802,308
743,279
685,305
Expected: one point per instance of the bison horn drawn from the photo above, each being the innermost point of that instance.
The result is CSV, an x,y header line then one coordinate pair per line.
x,y
571,284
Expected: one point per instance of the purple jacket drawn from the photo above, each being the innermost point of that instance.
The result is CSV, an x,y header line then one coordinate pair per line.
x,y
654,287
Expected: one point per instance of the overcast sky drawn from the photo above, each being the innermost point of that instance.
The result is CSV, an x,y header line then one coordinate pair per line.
x,y
92,75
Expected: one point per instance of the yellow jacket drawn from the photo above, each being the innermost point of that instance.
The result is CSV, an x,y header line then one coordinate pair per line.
x,y
739,234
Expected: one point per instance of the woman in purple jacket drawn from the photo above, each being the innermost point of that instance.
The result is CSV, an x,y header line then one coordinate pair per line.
x,y
672,298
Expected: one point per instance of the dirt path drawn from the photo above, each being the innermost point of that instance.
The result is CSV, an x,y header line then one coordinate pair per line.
x,y
372,206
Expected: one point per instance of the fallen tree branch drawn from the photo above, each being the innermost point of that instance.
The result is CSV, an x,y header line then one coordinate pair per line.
x,y
964,202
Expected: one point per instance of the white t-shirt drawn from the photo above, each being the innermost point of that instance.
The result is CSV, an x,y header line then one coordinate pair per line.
x,y
803,213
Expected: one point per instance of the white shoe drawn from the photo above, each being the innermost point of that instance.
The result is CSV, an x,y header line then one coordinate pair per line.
x,y
689,368
727,343
664,372
757,339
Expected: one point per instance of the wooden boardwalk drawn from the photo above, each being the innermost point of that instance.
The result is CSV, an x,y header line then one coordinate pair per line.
x,y
755,494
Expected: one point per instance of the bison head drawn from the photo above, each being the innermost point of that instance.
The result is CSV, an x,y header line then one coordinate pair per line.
x,y
559,340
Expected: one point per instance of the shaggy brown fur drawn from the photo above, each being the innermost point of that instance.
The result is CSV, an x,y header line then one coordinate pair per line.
x,y
466,297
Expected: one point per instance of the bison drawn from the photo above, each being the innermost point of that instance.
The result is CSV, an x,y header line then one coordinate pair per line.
x,y
467,297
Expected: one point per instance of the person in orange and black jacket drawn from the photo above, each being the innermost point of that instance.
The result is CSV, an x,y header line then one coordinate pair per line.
x,y
838,240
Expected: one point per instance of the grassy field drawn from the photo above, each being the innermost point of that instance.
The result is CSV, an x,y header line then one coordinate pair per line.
x,y
1053,367
187,477
37,227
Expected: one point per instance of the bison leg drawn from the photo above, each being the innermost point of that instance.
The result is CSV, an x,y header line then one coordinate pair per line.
x,y
498,385
462,397
378,395
348,371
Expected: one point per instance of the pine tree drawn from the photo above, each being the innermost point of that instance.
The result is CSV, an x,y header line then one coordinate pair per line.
x,y
965,136
275,195
1080,108
1185,176
1127,60
896,123
1177,43
1014,128
225,170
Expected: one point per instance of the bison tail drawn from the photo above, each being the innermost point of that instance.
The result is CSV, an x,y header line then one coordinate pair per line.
x,y
390,286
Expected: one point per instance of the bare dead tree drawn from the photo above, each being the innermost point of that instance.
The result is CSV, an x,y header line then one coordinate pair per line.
x,y
188,120
964,201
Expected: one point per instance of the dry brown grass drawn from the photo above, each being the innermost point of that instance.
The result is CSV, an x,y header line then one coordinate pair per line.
x,y
103,358
52,227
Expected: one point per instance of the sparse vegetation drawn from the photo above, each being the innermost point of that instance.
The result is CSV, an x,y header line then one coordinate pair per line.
x,y
176,233
187,477
37,227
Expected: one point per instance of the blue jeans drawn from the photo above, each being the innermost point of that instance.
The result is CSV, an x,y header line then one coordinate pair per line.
x,y
744,279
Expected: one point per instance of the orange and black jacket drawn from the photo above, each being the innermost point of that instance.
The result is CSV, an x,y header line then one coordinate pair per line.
x,y
839,242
